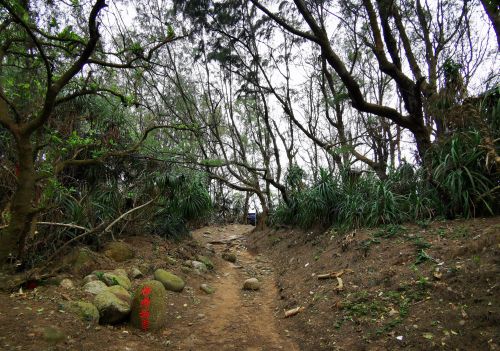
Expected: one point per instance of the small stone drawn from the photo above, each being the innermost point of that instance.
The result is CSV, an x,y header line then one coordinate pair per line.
x,y
136,273
207,288
199,267
462,322
393,312
95,287
206,261
67,284
229,256
251,284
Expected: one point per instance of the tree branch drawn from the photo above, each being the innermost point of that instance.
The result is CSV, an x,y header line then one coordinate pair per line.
x,y
56,87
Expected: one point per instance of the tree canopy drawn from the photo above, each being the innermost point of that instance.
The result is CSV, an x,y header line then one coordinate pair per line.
x,y
126,115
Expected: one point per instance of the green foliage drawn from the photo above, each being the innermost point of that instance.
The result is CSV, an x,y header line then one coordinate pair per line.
x,y
459,170
186,199
422,257
462,185
390,231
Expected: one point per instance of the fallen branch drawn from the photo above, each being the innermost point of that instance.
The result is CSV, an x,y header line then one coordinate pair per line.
x,y
333,274
95,230
223,242
108,228
341,284
293,311
69,225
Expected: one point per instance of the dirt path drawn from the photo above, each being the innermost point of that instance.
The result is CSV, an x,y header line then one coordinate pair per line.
x,y
231,318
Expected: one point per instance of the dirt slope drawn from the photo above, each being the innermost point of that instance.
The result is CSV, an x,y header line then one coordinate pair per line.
x,y
430,287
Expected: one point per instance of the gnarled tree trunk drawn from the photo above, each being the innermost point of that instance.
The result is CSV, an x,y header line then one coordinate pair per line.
x,y
21,209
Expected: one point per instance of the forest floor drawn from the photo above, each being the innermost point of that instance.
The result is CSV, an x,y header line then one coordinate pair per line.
x,y
429,287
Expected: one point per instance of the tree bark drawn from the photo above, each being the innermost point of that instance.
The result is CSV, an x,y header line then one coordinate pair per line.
x,y
22,209
262,218
491,8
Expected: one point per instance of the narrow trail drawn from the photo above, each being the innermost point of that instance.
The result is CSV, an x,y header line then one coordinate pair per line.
x,y
234,319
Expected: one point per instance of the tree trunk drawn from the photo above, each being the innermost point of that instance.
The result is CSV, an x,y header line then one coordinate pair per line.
x,y
491,9
422,138
244,218
262,218
22,211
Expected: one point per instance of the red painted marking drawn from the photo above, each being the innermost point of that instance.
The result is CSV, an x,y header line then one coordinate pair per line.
x,y
145,304
146,290
144,314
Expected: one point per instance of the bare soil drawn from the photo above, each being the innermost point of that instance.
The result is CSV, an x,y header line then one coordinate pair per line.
x,y
428,287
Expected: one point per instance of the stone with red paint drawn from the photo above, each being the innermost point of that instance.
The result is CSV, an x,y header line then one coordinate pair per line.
x,y
154,292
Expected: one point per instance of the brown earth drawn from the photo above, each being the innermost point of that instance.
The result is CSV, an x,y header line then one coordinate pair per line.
x,y
428,287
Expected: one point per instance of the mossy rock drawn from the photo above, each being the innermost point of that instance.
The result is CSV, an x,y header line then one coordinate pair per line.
x,y
157,305
111,278
207,288
82,261
206,261
120,292
95,287
119,251
112,309
169,280
85,310
121,271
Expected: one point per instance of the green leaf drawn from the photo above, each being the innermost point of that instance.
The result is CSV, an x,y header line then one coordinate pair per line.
x,y
170,31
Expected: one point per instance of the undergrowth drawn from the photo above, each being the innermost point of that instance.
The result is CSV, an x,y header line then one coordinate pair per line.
x,y
455,182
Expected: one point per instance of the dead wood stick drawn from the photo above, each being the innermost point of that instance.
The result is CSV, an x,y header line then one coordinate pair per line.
x,y
293,311
333,274
341,284
108,228
69,225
